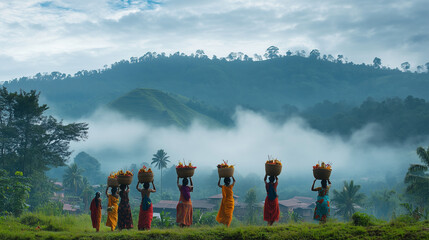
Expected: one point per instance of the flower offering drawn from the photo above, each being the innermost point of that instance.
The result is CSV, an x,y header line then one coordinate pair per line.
x,y
225,165
184,170
127,173
113,175
274,161
323,166
273,166
225,170
322,171
144,169
145,174
184,165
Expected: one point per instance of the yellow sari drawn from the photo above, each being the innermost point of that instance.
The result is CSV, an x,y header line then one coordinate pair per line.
x,y
112,212
226,209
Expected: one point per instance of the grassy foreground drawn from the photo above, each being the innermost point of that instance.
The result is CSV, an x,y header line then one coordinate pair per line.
x,y
79,227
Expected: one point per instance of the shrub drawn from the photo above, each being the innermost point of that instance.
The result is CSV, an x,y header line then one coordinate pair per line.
x,y
362,219
31,220
403,220
51,227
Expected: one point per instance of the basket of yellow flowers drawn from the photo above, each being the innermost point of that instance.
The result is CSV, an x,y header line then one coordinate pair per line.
x,y
273,167
185,170
145,175
125,178
224,170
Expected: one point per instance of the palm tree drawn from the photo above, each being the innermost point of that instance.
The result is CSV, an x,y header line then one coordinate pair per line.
x,y
417,178
347,199
160,159
73,179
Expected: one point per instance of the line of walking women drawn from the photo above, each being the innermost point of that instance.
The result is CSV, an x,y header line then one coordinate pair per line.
x,y
119,216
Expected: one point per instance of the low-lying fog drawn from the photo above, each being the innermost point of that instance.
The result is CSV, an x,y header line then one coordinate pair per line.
x,y
118,142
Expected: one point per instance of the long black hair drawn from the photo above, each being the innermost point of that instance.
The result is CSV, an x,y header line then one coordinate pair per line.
x,y
146,185
123,187
114,190
324,183
97,198
227,181
185,182
271,178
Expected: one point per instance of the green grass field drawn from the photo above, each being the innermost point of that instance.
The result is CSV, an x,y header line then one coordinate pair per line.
x,y
79,227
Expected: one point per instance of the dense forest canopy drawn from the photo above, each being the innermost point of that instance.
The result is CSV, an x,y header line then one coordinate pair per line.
x,y
30,144
268,84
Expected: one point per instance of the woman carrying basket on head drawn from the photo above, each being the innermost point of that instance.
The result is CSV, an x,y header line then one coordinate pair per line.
x,y
322,210
125,219
146,207
184,207
112,208
271,205
226,209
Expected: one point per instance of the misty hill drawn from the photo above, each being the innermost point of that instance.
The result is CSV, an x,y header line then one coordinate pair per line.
x,y
398,120
268,84
158,108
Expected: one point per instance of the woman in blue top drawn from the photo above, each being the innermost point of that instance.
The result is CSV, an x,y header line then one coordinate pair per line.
x,y
322,210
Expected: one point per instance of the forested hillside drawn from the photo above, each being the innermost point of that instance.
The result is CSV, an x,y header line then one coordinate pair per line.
x,y
226,83
397,119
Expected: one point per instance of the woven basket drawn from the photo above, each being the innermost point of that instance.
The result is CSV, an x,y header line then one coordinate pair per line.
x,y
145,177
273,169
322,173
112,182
185,172
225,172
126,180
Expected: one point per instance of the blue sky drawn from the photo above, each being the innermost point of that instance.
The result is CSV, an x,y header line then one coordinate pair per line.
x,y
71,35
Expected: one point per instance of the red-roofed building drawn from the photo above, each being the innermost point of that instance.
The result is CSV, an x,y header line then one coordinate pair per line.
x,y
304,206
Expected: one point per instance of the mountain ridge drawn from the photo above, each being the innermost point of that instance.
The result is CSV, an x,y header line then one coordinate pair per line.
x,y
268,84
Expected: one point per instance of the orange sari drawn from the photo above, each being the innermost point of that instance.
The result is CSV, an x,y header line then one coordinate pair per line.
x,y
112,212
184,211
226,209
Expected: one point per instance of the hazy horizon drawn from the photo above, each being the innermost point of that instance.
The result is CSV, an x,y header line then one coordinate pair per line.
x,y
118,142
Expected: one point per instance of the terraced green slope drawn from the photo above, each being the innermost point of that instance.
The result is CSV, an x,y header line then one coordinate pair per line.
x,y
157,108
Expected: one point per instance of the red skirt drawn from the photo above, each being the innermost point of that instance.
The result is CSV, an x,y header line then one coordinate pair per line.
x,y
145,218
271,210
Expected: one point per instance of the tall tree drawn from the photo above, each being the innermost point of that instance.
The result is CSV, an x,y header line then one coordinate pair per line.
x,y
348,199
417,178
32,142
315,54
90,167
272,52
72,179
405,66
160,159
251,201
376,62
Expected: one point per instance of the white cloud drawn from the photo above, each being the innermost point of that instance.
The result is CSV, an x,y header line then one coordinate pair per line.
x,y
68,36
118,142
